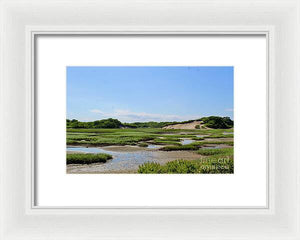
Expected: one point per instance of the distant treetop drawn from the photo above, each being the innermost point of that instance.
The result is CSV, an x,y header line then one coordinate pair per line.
x,y
217,122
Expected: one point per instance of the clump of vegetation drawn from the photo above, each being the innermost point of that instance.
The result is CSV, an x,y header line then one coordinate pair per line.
x,y
198,138
212,165
177,136
195,145
228,143
181,166
220,136
217,122
218,142
166,141
215,151
213,161
197,126
105,123
87,158
143,145
177,166
151,167
179,148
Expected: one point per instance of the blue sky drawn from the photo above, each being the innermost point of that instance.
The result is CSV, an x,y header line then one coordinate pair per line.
x,y
139,94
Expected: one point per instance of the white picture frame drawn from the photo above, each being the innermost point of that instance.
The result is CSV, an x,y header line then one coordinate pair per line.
x,y
21,20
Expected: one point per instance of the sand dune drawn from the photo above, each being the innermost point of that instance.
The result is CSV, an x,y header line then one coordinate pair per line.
x,y
191,125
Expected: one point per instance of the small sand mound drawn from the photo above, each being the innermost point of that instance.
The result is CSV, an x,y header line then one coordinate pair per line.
x,y
191,125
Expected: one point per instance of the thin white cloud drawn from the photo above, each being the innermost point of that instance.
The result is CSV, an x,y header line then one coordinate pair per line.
x,y
129,116
96,111
229,109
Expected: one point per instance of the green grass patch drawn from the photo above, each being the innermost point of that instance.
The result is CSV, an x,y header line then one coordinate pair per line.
x,y
151,167
216,151
106,139
209,165
87,158
198,138
229,130
143,145
214,161
180,148
220,136
195,145
208,143
165,142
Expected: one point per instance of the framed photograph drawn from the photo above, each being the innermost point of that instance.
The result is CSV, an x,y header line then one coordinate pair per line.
x,y
163,131
150,120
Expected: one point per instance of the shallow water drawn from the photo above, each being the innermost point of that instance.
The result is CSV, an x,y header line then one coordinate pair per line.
x,y
227,133
86,150
186,141
151,146
126,159
118,156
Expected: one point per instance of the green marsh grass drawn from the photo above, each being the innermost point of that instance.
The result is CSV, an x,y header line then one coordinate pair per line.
x,y
195,145
213,161
220,136
210,165
143,145
179,148
169,137
87,158
215,151
166,142
198,138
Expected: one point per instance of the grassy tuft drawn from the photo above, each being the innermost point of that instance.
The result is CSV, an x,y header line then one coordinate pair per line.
x,y
150,167
198,138
179,148
87,158
220,136
166,142
216,151
143,145
195,145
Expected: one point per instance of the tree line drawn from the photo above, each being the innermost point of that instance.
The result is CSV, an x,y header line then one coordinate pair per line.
x,y
211,122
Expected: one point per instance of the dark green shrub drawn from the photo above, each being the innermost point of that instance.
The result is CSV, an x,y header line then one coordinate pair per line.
x,y
217,122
